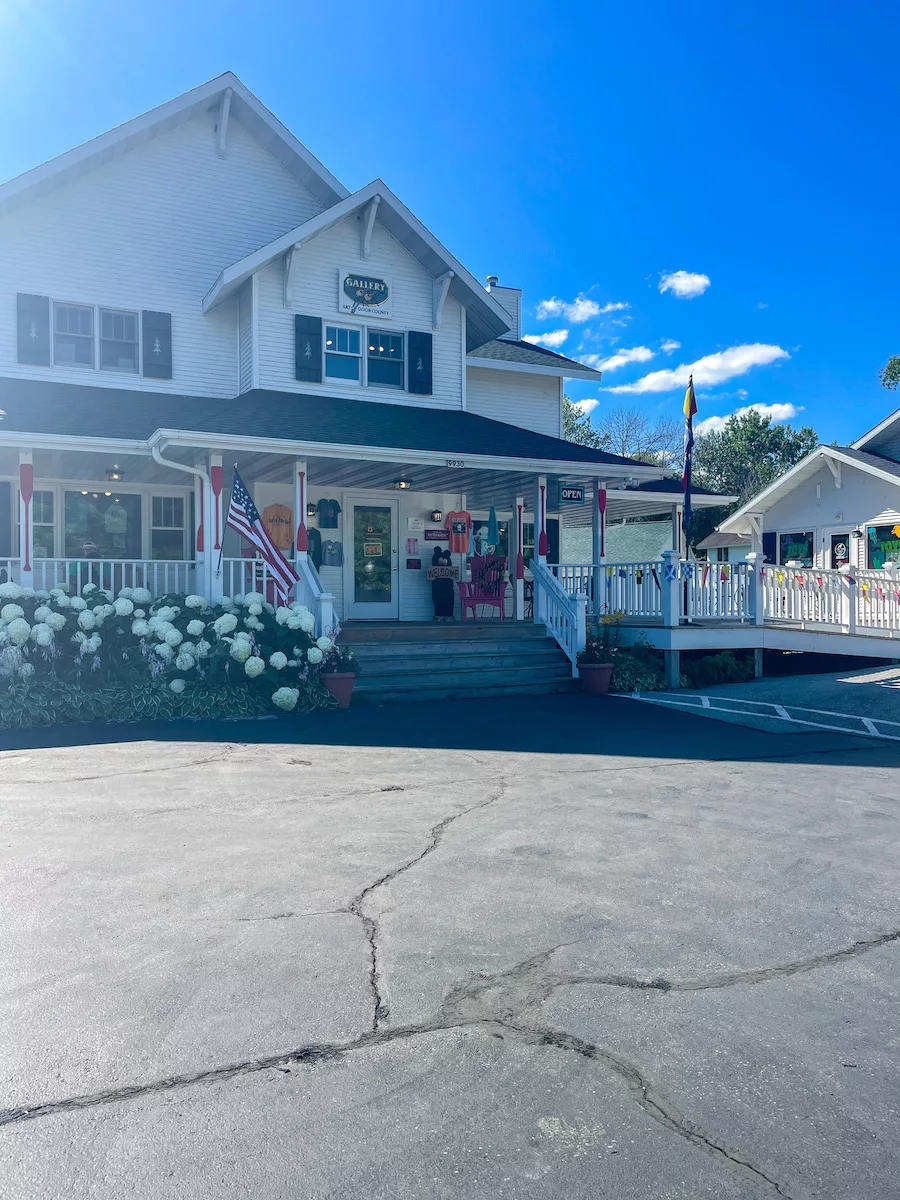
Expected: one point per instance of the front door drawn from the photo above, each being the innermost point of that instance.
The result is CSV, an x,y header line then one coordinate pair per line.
x,y
839,550
371,573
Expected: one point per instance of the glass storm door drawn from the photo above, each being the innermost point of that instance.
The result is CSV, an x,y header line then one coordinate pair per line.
x,y
840,550
373,565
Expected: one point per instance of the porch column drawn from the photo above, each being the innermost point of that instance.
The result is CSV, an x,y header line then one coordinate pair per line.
x,y
216,526
26,526
517,558
301,533
598,543
541,545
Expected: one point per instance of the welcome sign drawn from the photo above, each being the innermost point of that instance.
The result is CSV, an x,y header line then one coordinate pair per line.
x,y
364,295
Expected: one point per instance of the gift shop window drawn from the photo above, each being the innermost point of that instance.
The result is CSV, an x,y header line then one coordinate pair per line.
x,y
102,525
385,365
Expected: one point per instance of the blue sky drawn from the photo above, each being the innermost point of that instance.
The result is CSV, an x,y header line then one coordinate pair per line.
x,y
575,150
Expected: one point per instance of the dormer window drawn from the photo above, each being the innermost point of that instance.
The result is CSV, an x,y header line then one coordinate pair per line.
x,y
342,353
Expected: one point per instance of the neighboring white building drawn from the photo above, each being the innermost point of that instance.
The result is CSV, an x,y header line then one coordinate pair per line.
x,y
194,290
840,504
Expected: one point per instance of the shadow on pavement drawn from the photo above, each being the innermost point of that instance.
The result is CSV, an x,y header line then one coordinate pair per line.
x,y
561,724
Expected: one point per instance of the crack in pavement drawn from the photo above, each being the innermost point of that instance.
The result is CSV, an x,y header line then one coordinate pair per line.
x,y
370,925
226,752
498,1004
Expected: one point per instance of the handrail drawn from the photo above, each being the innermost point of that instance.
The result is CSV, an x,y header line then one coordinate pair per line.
x,y
563,615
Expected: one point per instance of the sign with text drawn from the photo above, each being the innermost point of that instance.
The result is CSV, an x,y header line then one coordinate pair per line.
x,y
364,295
372,549
442,572
437,535
571,493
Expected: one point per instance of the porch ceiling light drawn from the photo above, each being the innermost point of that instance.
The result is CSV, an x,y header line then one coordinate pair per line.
x,y
114,473
402,484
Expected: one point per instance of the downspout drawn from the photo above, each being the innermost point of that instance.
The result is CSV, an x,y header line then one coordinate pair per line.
x,y
198,473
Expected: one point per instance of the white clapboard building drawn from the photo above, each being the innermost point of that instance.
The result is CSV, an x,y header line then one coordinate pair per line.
x,y
195,290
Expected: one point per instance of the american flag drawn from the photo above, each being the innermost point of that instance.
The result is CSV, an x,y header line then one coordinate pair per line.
x,y
243,516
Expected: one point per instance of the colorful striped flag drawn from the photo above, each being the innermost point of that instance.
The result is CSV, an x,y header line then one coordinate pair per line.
x,y
690,408
243,516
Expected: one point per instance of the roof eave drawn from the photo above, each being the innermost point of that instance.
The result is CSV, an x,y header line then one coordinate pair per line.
x,y
566,368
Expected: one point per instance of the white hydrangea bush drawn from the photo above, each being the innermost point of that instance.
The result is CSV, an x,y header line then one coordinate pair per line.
x,y
66,656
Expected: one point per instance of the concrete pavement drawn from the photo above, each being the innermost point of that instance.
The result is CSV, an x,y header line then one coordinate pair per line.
x,y
554,947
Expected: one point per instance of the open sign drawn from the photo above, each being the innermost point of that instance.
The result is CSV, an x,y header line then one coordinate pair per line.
x,y
571,493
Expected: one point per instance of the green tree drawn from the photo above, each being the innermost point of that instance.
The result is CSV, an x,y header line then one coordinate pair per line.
x,y
577,427
743,458
890,373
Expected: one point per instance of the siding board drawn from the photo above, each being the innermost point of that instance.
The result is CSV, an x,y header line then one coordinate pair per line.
x,y
530,401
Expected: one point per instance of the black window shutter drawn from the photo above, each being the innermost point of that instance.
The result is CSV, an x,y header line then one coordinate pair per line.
x,y
308,349
768,543
156,337
33,331
419,348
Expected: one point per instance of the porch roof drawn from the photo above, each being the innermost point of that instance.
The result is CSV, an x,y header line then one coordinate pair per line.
x,y
291,422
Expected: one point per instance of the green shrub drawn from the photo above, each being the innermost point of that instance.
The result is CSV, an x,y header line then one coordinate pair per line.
x,y
726,666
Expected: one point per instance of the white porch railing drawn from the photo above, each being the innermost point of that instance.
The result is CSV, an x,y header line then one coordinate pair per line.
x,y
563,614
716,591
242,575
849,600
9,570
159,576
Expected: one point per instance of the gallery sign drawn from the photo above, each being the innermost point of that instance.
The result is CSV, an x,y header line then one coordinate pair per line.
x,y
364,295
571,493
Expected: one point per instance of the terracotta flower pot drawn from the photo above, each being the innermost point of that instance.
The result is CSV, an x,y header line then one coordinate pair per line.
x,y
340,684
595,677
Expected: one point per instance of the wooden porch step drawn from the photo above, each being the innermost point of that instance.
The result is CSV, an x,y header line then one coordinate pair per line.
x,y
441,690
410,631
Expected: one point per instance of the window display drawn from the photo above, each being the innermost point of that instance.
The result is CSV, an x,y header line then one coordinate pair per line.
x,y
882,546
101,525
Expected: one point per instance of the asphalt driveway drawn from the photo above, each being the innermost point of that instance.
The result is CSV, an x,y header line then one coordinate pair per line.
x,y
550,947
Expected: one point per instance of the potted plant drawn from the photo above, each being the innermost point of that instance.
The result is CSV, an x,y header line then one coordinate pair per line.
x,y
595,661
338,673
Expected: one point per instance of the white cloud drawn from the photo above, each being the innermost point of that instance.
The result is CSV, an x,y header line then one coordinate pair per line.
x,y
669,345
586,406
577,311
707,371
762,304
621,358
778,412
684,284
553,339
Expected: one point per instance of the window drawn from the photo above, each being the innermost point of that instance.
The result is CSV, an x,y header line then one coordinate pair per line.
x,y
386,359
42,508
721,554
167,527
882,546
102,525
119,341
342,353
73,335
796,547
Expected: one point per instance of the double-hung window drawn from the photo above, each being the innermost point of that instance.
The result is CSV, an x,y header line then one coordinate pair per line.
x,y
119,339
73,335
385,365
342,353
167,527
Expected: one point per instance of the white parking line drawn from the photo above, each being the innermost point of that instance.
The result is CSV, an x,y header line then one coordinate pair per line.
x,y
779,712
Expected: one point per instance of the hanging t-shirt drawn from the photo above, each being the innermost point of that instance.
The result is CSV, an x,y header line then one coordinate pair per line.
x,y
459,525
333,554
279,523
328,514
315,546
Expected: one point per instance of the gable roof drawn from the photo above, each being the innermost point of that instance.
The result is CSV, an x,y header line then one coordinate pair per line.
x,y
881,427
35,408
506,352
244,106
485,317
873,464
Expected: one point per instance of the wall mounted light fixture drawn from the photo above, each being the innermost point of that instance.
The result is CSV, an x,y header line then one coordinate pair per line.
x,y
437,516
310,509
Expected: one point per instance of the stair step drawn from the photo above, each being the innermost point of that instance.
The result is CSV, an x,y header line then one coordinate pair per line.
x,y
394,664
443,692
449,651
461,630
470,676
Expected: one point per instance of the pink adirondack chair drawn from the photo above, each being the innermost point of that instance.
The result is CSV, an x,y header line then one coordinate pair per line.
x,y
487,585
